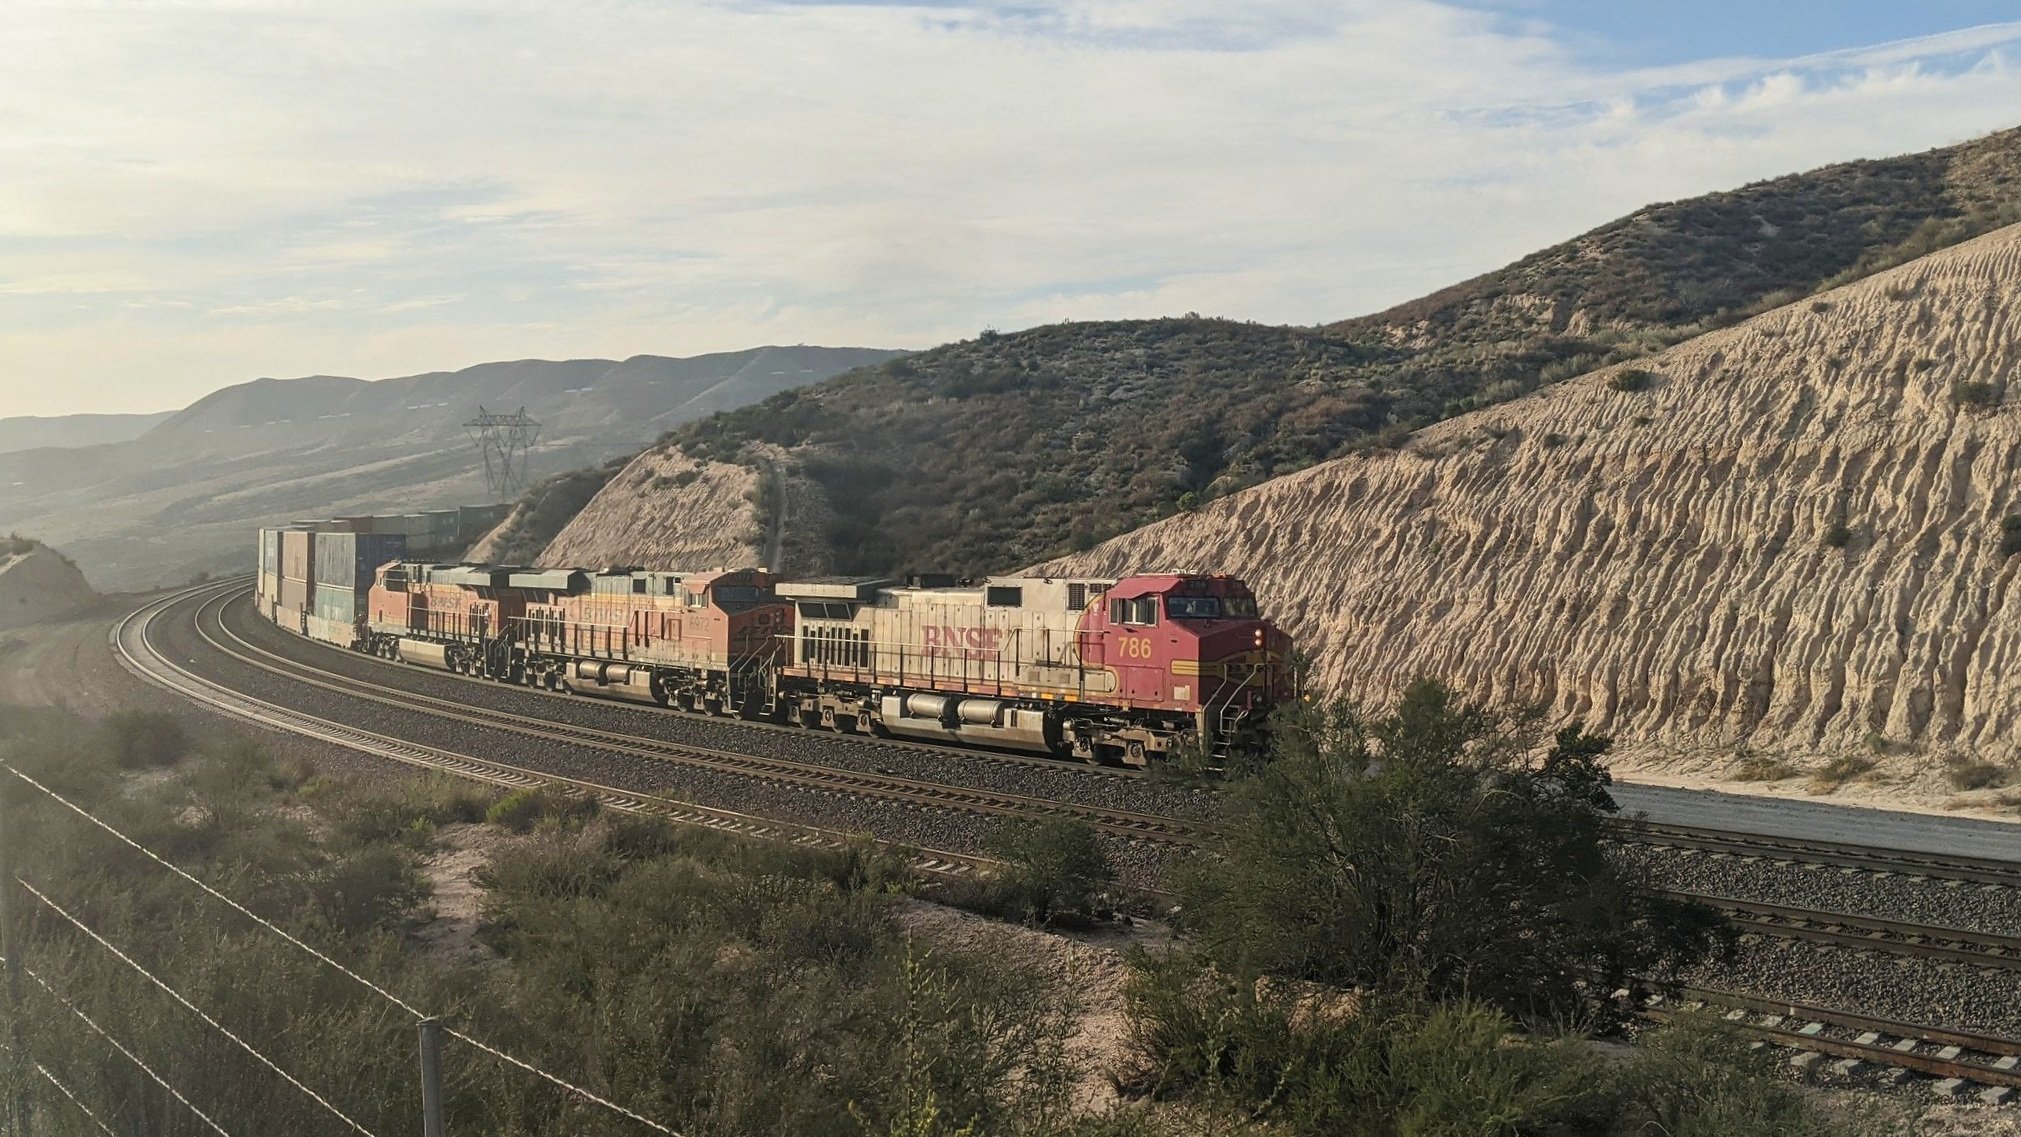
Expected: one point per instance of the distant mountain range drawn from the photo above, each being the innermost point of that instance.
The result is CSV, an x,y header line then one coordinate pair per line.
x,y
181,495
31,432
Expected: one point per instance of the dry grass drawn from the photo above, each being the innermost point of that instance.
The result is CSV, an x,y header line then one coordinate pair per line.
x,y
1978,775
1761,768
1837,772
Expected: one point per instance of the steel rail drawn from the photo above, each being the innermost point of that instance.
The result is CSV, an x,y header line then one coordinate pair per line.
x,y
1867,933
1803,850
1987,1067
135,650
1120,823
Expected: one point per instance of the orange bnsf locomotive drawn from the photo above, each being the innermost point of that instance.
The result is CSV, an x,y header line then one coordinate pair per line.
x,y
1105,670
699,641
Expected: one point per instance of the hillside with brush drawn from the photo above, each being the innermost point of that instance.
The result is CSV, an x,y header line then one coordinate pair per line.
x,y
1004,449
1799,535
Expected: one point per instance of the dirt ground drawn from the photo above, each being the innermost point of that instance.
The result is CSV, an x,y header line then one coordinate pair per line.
x,y
1910,782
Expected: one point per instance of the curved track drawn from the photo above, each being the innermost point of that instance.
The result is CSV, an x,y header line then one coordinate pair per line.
x,y
1118,823
133,645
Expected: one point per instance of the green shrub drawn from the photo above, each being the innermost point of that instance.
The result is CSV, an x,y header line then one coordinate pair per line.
x,y
522,810
1052,872
1837,535
1337,1066
145,739
1697,1079
376,887
1633,379
1327,854
1554,440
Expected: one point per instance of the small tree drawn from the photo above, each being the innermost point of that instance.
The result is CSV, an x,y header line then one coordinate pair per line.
x,y
1435,854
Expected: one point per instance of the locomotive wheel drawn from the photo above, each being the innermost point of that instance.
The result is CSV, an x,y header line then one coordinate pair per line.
x,y
1134,756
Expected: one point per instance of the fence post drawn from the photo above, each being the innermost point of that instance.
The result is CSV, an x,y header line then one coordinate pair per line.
x,y
431,1078
17,1109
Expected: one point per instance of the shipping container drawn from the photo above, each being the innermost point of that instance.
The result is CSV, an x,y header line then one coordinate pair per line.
x,y
475,521
294,595
269,589
348,559
270,552
336,602
298,561
339,632
360,524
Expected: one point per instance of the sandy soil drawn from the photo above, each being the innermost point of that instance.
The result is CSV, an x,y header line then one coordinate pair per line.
x,y
456,895
1910,783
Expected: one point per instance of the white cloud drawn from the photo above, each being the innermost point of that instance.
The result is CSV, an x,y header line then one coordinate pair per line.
x,y
383,187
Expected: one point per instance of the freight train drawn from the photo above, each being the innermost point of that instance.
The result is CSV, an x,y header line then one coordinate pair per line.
x,y
1105,670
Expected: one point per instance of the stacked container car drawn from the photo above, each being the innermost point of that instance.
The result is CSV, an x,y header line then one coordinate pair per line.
x,y
345,566
1100,669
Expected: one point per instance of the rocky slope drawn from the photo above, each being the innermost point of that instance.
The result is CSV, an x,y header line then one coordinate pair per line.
x,y
980,455
673,512
1795,534
38,584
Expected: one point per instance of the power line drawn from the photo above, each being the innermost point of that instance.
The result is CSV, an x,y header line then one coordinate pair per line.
x,y
487,1048
136,1059
193,1008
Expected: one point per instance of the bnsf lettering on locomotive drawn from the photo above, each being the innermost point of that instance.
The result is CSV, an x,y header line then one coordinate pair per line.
x,y
946,639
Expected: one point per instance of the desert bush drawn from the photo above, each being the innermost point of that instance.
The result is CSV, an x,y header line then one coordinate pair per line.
x,y
1697,1079
1053,872
1632,379
521,810
145,739
1975,394
1437,850
2010,534
1969,775
1839,771
1837,535
1751,767
397,809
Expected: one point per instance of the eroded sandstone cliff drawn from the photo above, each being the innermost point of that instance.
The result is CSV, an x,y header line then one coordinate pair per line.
x,y
667,511
1786,535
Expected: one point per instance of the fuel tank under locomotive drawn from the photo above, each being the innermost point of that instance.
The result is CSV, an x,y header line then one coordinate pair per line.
x,y
988,722
613,681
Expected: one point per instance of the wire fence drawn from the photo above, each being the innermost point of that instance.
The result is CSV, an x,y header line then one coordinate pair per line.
x,y
269,926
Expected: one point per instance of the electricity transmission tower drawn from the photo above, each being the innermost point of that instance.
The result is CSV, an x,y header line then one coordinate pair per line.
x,y
504,440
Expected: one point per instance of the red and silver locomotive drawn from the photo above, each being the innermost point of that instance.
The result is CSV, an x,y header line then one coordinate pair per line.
x,y
1100,669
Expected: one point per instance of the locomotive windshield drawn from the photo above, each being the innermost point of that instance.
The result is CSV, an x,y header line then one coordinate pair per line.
x,y
1193,607
734,597
1209,607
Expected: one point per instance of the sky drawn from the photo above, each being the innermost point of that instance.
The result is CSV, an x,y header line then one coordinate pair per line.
x,y
194,193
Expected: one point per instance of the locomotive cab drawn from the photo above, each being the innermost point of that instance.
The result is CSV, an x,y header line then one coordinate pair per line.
x,y
1192,645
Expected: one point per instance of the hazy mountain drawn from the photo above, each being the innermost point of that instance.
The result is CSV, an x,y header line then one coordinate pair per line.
x,y
185,496
31,432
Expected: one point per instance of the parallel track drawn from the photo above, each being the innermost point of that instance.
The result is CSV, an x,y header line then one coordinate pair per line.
x,y
1901,862
1868,933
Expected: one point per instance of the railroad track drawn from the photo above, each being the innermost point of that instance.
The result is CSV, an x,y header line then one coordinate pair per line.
x,y
779,771
1901,862
1867,933
1969,1059
135,651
